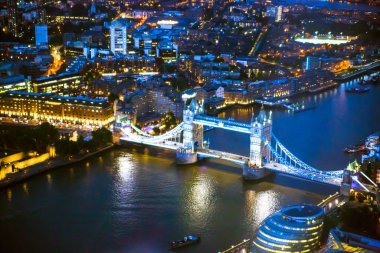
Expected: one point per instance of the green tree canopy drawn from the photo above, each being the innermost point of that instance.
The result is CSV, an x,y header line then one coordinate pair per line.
x,y
102,136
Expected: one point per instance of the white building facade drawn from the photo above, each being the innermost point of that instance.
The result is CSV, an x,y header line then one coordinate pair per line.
x,y
118,36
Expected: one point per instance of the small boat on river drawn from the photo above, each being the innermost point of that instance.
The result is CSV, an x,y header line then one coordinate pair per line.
x,y
360,89
355,148
186,241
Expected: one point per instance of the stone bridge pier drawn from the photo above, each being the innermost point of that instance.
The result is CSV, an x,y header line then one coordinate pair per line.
x,y
260,138
192,135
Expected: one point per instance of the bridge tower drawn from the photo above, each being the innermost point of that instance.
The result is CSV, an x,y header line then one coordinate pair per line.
x,y
260,139
192,134
346,185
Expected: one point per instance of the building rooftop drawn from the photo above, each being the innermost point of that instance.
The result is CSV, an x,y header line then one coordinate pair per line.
x,y
12,79
57,99
303,212
349,242
53,77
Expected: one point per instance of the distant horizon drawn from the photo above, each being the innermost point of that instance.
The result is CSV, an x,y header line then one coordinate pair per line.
x,y
325,3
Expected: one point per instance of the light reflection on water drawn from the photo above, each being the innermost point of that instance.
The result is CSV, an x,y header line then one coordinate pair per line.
x,y
126,169
125,173
200,200
9,194
259,205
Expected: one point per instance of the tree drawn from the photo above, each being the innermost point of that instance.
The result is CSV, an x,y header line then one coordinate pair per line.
x,y
101,136
359,218
26,142
112,97
46,133
67,147
156,130
180,83
169,120
91,75
208,14
79,10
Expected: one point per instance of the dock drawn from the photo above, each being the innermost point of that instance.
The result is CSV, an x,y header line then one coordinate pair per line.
x,y
242,247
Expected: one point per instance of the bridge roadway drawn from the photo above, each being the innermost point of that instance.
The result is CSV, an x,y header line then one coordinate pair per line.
x,y
359,71
300,173
238,159
228,124
162,144
273,166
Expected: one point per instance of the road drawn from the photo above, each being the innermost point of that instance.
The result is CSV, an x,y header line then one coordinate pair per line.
x,y
258,40
57,61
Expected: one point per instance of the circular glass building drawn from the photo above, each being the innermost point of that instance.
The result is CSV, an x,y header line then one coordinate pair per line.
x,y
293,229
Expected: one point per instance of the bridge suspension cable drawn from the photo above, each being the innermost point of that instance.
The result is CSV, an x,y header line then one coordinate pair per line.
x,y
172,134
297,161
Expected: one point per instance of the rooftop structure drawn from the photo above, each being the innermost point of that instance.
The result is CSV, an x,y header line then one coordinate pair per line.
x,y
167,24
325,39
340,241
293,229
41,34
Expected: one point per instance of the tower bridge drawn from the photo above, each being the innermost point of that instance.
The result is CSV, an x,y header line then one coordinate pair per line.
x,y
267,153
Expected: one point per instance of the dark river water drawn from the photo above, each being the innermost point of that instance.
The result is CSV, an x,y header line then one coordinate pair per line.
x,y
135,199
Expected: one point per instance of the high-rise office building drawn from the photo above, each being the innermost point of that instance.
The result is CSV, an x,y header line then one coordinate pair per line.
x,y
118,36
278,17
167,50
12,17
41,12
275,12
41,34
92,10
312,63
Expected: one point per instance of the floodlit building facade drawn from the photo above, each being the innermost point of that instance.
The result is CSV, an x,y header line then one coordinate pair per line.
x,y
66,84
54,108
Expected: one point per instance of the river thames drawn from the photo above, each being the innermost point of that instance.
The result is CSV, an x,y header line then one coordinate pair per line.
x,y
136,199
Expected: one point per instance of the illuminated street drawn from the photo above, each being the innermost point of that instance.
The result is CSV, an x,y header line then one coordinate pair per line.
x,y
57,63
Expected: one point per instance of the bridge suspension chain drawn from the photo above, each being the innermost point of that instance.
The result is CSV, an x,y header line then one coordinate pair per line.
x,y
297,161
172,134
